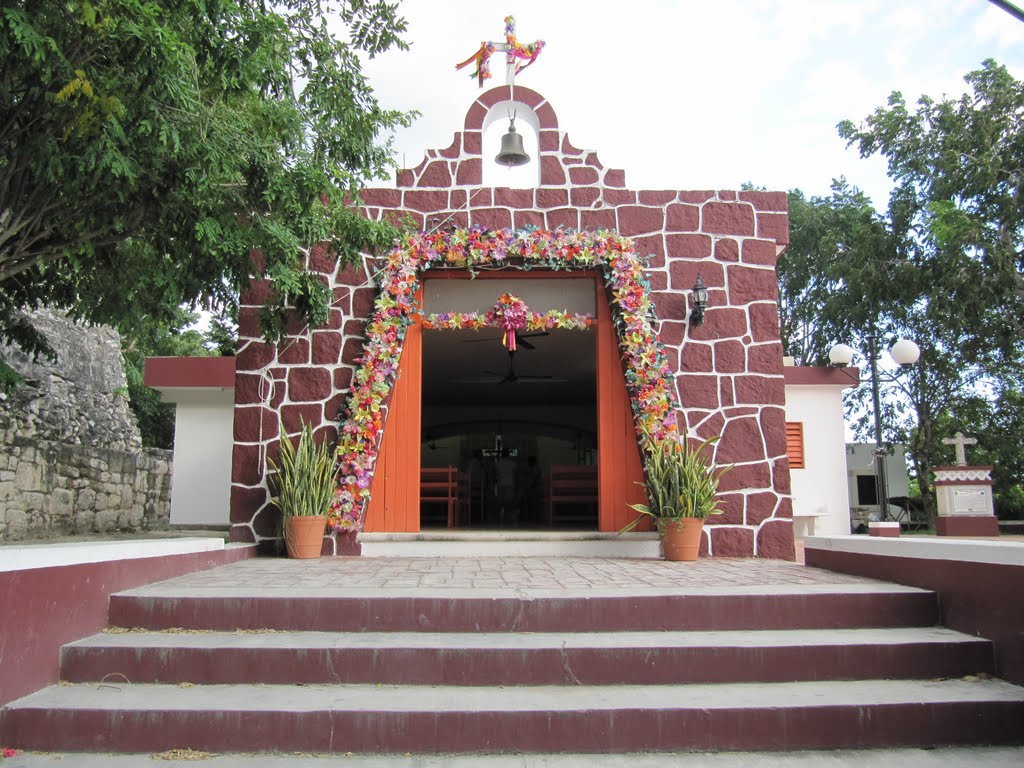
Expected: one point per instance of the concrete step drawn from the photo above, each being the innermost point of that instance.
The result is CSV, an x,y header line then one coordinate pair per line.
x,y
776,606
451,543
120,717
428,658
950,757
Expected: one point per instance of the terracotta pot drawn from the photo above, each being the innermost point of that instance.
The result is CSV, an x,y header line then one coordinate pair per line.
x,y
304,536
680,539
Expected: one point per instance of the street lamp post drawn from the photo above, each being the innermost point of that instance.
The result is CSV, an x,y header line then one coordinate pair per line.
x,y
881,486
903,352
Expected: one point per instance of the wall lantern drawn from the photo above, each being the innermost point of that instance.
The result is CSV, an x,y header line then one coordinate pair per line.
x,y
699,297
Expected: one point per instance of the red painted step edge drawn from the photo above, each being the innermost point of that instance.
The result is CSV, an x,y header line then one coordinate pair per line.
x,y
579,614
549,666
43,608
818,727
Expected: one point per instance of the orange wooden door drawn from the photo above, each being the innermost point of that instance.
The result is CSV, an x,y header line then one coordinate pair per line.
x,y
395,490
618,464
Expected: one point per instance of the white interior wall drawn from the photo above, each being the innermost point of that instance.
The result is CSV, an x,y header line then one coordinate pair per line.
x,y
570,294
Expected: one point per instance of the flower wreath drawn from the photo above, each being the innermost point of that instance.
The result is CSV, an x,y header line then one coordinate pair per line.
x,y
649,380
510,314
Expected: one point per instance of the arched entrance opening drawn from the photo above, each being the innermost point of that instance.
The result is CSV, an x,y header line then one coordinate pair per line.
x,y
509,438
636,399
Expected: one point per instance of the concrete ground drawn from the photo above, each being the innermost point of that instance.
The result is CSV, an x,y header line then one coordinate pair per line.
x,y
975,757
79,538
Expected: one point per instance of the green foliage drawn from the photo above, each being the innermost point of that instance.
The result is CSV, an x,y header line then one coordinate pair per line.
x,y
680,482
147,149
837,273
303,293
222,337
17,330
10,379
944,267
175,339
957,208
998,423
304,477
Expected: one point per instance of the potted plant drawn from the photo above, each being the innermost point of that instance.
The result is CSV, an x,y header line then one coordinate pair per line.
x,y
681,491
304,481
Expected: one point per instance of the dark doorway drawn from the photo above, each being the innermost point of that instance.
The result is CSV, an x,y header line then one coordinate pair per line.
x,y
509,440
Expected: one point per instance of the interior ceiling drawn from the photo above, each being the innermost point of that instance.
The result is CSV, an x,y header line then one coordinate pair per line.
x,y
470,368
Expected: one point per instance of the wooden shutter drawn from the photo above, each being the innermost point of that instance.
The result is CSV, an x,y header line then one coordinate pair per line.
x,y
795,444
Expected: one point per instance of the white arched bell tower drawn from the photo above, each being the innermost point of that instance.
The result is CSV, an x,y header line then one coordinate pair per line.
x,y
495,126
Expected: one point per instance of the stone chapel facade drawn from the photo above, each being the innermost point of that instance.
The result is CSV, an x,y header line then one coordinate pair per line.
x,y
729,369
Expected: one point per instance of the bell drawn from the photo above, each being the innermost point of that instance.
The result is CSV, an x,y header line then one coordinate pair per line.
x,y
512,153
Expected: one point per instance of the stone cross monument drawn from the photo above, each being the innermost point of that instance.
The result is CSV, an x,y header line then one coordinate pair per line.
x,y
964,495
960,442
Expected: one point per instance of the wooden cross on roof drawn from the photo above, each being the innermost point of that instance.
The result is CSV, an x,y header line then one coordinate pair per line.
x,y
517,55
960,442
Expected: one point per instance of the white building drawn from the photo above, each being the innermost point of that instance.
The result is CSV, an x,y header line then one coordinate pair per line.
x,y
816,447
203,391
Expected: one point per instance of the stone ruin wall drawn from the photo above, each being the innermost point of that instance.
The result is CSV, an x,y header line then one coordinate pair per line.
x,y
730,377
72,458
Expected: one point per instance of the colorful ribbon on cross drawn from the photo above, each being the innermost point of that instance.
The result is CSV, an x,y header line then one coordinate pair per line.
x,y
513,49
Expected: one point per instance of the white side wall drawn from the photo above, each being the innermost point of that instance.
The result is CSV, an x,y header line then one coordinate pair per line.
x,y
820,488
203,442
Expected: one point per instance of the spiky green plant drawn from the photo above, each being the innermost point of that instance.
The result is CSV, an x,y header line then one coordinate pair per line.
x,y
304,477
680,482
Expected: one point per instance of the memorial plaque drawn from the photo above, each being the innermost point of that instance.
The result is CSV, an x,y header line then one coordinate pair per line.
x,y
970,501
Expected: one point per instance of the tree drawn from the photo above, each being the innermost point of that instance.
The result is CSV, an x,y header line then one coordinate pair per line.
x,y
180,338
844,278
958,205
147,149
997,420
957,213
1001,437
832,276
943,267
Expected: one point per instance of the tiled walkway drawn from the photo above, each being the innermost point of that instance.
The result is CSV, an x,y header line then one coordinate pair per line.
x,y
273,576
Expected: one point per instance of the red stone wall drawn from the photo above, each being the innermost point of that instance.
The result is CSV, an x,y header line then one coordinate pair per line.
x,y
730,378
45,608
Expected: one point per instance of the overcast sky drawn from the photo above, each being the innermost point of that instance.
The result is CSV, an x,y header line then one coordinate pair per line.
x,y
691,94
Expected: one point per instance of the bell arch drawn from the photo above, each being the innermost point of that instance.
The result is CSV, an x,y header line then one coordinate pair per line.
x,y
493,129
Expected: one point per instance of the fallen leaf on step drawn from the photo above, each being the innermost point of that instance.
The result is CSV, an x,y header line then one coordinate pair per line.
x,y
181,754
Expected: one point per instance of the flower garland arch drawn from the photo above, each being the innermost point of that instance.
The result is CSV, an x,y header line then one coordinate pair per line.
x,y
649,380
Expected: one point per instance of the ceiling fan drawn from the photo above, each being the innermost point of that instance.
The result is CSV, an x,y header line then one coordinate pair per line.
x,y
510,377
520,339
